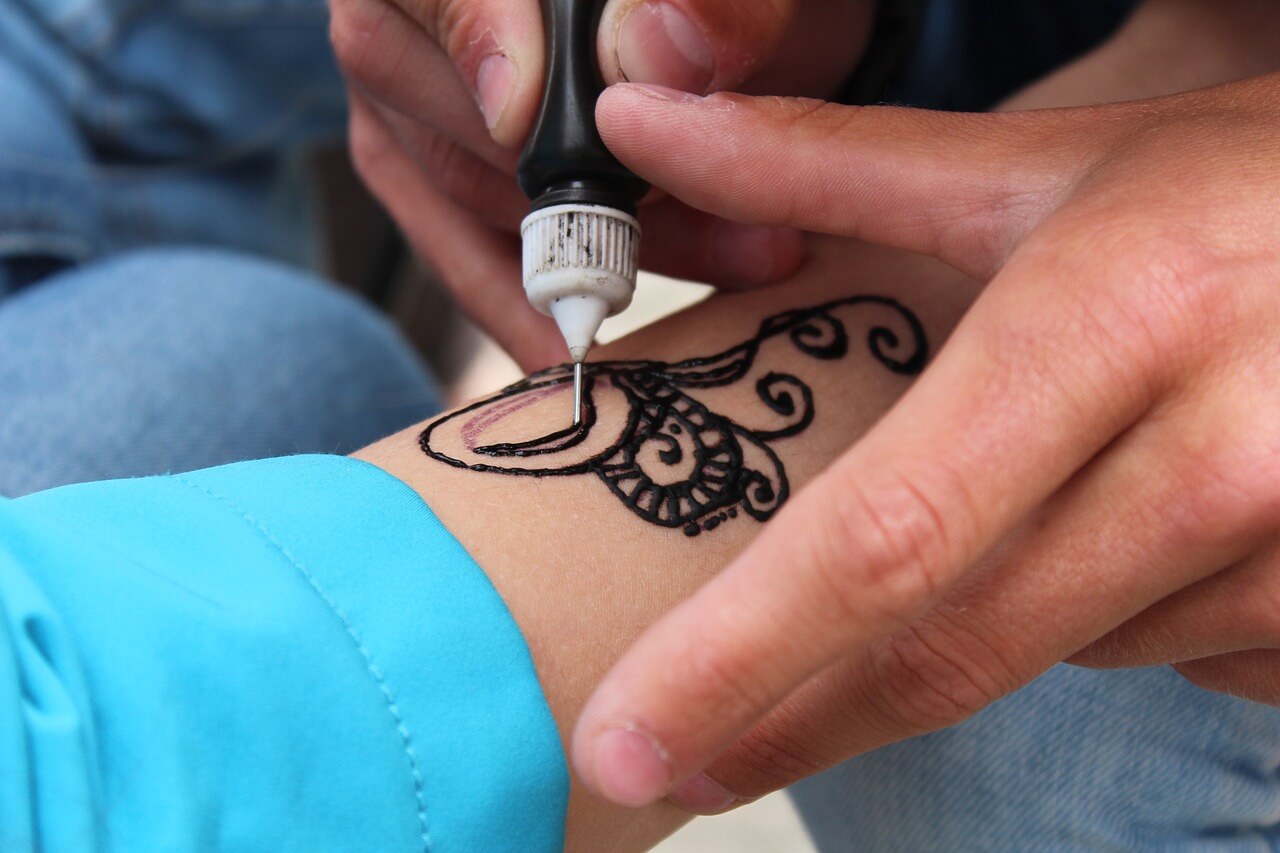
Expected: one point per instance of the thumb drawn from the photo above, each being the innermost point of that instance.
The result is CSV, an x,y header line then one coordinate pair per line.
x,y
691,45
962,187
437,60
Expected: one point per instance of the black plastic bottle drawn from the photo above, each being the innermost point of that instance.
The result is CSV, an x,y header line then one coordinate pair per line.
x,y
581,241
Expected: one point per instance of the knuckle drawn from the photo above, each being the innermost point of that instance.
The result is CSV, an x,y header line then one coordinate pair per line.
x,y
1159,287
888,543
1172,289
1155,290
723,681
1111,329
1031,353
864,558
930,680
460,27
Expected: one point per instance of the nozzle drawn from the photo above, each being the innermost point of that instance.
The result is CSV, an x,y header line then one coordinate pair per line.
x,y
580,264
579,319
577,392
573,251
582,240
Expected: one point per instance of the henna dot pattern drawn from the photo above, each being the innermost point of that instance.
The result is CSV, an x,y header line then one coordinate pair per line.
x,y
674,462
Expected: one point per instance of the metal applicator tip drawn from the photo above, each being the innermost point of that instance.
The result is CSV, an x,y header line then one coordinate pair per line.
x,y
577,393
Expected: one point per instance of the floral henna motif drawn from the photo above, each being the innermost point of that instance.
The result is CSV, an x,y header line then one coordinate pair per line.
x,y
674,462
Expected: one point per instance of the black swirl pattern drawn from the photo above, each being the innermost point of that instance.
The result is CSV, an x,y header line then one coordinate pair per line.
x,y
676,463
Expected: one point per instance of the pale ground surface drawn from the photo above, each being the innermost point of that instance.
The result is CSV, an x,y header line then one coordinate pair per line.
x,y
767,826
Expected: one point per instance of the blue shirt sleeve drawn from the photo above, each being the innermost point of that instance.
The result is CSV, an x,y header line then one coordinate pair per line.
x,y
290,654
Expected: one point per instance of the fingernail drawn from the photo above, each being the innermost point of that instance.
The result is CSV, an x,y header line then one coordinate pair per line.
x,y
752,255
657,43
702,795
631,769
494,77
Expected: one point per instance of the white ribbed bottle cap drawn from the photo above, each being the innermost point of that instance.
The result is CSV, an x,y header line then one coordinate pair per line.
x,y
580,250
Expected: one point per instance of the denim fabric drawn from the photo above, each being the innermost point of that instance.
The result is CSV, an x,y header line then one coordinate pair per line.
x,y
127,123
128,128
1078,760
170,359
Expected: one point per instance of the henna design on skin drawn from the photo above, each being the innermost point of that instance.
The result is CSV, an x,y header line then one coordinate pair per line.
x,y
674,462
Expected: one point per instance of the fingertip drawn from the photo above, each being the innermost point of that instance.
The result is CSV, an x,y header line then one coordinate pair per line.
x,y
623,764
626,96
623,109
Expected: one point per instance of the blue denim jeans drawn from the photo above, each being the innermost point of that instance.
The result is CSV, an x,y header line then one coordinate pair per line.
x,y
1078,760
131,130
171,359
129,123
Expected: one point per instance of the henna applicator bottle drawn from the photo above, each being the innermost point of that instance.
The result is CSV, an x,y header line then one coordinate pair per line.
x,y
581,242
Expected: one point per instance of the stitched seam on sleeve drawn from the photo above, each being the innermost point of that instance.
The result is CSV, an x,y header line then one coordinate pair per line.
x,y
371,666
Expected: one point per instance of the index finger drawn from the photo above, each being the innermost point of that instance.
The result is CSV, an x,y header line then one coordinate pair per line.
x,y
1023,395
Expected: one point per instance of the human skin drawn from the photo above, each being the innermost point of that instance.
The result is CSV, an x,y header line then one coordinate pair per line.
x,y
581,573
1088,472
458,82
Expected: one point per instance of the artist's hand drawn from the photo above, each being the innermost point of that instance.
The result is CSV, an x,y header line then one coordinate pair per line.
x,y
1089,471
446,92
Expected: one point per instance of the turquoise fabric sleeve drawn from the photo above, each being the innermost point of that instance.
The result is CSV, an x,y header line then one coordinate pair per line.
x,y
291,654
